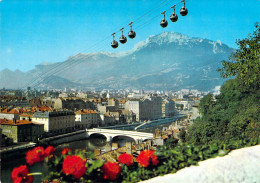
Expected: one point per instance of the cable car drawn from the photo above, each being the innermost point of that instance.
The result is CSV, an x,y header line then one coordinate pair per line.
x,y
122,39
114,43
174,16
184,10
131,33
163,22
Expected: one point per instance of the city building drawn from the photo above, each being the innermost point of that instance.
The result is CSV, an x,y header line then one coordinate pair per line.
x,y
21,130
107,120
128,116
185,103
168,108
56,121
147,108
12,113
87,119
72,104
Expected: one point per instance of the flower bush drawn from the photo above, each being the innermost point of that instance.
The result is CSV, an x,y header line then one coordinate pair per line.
x,y
65,151
147,158
126,159
21,175
35,155
111,170
84,167
74,165
49,151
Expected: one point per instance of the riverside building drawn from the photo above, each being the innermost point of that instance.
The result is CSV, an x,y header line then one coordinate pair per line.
x,y
56,121
21,130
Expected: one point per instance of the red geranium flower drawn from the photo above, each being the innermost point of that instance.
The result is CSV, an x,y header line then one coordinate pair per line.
x,y
49,151
65,151
126,159
35,155
20,175
111,170
74,165
147,158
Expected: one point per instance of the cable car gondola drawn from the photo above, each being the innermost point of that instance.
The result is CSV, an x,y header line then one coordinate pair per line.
x,y
131,33
114,43
184,10
163,22
122,39
174,16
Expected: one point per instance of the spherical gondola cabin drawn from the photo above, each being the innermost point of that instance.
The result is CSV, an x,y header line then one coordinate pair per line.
x,y
122,39
114,43
131,33
184,11
163,22
174,16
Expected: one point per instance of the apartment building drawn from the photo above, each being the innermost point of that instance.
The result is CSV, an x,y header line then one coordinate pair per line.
x,y
147,108
55,121
168,108
87,119
21,130
11,113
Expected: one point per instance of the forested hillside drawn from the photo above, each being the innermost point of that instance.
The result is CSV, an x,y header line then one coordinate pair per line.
x,y
235,113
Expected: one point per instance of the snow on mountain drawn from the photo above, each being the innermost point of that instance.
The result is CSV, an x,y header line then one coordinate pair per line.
x,y
166,61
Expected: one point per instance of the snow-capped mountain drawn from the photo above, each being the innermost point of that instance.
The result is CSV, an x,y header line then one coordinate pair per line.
x,y
168,61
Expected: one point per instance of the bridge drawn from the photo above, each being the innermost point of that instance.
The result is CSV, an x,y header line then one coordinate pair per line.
x,y
157,122
110,134
123,127
143,125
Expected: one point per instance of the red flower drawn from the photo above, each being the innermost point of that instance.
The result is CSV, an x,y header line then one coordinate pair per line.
x,y
111,170
20,175
126,159
65,151
35,155
147,158
49,151
74,165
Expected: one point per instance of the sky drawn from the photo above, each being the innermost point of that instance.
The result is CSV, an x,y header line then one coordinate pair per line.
x,y
43,31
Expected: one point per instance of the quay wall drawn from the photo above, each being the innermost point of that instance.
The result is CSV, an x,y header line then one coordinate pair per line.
x,y
20,150
65,138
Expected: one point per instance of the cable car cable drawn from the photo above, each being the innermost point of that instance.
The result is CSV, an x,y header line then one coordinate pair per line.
x,y
50,74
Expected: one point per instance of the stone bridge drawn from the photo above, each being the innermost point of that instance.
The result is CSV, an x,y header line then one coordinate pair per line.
x,y
110,134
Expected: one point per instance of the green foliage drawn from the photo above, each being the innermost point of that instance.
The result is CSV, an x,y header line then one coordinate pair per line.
x,y
245,62
235,112
175,157
206,104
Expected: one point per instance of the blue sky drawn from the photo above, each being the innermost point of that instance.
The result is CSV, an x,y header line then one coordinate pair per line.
x,y
36,31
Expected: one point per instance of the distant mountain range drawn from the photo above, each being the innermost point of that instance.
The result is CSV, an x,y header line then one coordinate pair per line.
x,y
168,61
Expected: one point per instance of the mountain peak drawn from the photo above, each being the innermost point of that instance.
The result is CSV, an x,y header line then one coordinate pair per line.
x,y
165,37
169,37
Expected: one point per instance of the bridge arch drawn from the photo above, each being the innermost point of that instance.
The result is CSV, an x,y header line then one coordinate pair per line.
x,y
123,137
98,135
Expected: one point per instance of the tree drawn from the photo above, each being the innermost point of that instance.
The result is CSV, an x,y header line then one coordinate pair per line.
x,y
206,104
245,62
235,114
